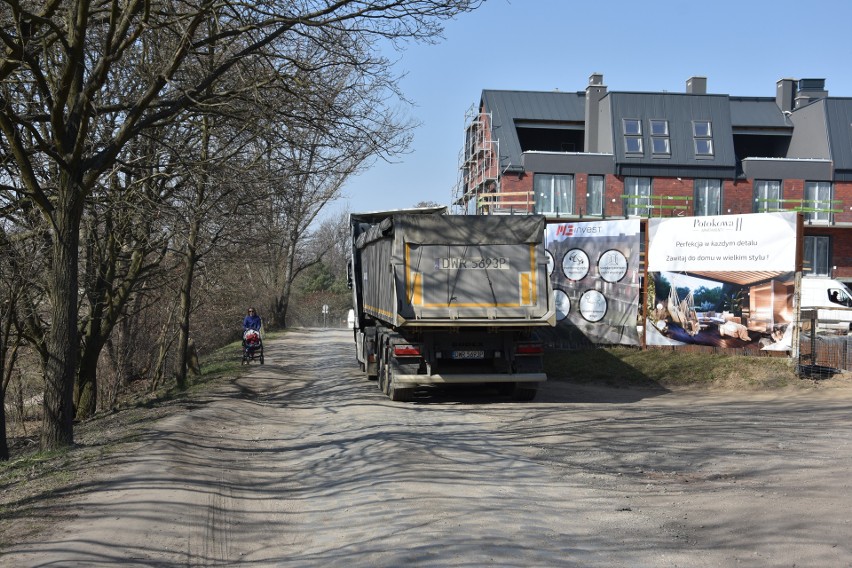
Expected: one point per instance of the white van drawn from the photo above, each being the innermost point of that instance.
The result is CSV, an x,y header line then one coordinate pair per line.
x,y
831,298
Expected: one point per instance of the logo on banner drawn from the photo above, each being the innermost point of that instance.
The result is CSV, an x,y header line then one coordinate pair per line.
x,y
585,229
564,230
716,224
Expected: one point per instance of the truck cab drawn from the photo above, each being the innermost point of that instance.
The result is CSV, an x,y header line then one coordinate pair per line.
x,y
832,300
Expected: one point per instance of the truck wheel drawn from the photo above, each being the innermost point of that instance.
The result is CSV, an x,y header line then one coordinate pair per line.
x,y
397,394
383,379
382,375
393,391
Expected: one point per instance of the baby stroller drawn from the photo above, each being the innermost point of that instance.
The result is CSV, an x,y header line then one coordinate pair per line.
x,y
252,346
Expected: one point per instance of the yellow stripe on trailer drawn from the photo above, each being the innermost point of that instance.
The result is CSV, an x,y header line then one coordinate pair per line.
x,y
526,288
417,289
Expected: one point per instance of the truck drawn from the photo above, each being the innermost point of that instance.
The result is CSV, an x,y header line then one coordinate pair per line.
x,y
832,301
444,299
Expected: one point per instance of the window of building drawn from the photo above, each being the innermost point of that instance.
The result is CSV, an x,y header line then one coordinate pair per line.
x,y
818,196
633,145
660,146
633,136
702,134
702,129
554,194
632,127
708,197
637,199
659,127
595,195
703,147
767,195
817,256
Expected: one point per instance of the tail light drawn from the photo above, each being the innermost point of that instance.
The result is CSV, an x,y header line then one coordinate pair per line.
x,y
406,351
529,349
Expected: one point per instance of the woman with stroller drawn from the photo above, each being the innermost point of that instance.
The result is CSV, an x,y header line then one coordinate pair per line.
x,y
252,342
252,321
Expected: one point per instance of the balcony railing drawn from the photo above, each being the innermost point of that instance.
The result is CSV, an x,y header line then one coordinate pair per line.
x,y
504,201
806,206
659,204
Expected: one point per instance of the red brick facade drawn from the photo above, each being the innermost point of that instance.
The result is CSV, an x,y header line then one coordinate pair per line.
x,y
737,198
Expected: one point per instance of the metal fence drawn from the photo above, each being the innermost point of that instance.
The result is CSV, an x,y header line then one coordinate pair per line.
x,y
823,355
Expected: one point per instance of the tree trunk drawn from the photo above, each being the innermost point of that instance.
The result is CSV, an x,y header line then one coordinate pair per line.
x,y
186,305
164,343
279,312
4,383
7,356
193,363
103,314
86,390
282,302
62,340
4,445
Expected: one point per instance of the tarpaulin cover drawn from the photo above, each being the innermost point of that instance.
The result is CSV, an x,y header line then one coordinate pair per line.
x,y
458,229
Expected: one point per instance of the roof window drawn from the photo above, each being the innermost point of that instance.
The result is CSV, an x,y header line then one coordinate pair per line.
x,y
660,143
702,135
632,136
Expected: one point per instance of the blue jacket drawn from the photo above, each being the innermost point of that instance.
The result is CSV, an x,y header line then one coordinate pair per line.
x,y
252,321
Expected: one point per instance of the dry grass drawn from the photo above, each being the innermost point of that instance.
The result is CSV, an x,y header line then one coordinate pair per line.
x,y
625,367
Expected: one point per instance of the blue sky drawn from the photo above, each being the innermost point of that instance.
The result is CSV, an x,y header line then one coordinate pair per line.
x,y
742,47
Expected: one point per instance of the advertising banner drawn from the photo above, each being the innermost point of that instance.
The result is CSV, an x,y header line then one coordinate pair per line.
x,y
760,241
595,272
726,281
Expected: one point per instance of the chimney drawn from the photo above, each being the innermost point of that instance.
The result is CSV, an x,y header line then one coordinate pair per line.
x,y
594,93
785,92
696,85
810,90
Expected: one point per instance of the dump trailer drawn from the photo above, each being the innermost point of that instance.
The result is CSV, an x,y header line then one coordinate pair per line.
x,y
449,299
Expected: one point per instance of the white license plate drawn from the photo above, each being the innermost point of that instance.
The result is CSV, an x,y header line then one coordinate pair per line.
x,y
469,354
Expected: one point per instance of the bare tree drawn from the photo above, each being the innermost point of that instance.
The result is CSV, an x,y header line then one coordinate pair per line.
x,y
19,300
10,340
80,80
345,123
122,242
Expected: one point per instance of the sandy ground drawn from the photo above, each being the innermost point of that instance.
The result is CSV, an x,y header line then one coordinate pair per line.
x,y
302,462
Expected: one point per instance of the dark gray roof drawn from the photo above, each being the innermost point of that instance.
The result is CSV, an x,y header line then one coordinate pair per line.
x,y
729,115
754,112
680,110
839,118
511,107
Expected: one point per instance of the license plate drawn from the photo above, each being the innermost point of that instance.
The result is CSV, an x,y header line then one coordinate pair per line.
x,y
469,354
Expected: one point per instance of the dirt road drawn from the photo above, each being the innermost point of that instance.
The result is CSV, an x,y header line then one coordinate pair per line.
x,y
302,462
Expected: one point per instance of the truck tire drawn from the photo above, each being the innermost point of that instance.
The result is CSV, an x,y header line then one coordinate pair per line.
x,y
383,377
397,394
394,392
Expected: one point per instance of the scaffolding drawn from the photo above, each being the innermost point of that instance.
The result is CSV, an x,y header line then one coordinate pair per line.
x,y
478,186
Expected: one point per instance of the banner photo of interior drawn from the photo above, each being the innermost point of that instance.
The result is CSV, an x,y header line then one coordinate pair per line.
x,y
724,281
751,310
